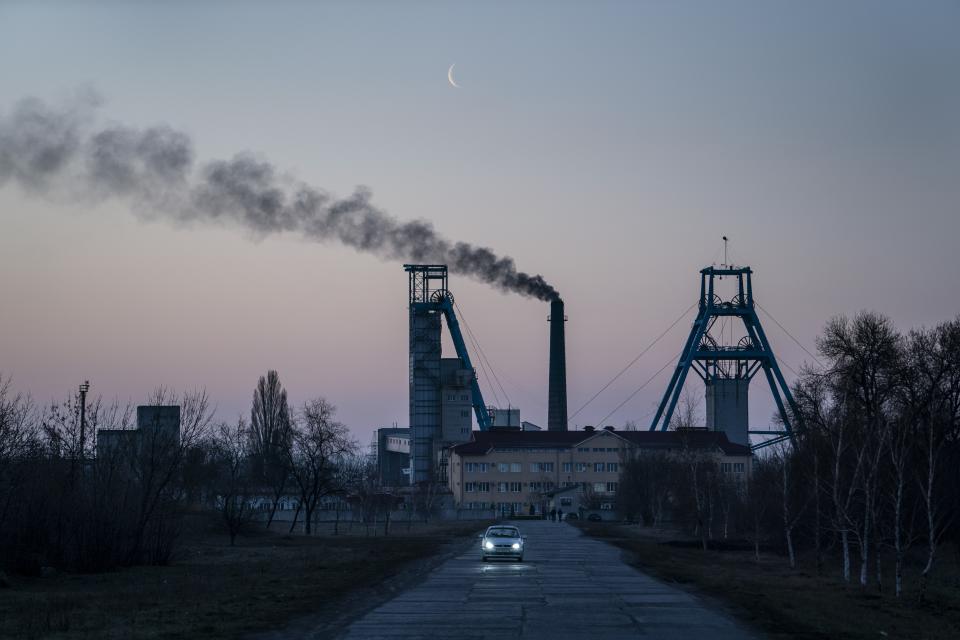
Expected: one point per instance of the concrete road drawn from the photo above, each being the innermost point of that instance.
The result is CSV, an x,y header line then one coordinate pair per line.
x,y
569,586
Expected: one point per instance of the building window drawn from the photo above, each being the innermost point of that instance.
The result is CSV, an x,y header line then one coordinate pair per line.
x,y
725,467
582,467
464,398
597,449
583,449
501,487
566,502
536,486
504,467
567,467
606,506
567,483
738,467
540,467
548,486
516,467
515,487
470,487
613,467
598,467
599,487
611,487
483,487
465,413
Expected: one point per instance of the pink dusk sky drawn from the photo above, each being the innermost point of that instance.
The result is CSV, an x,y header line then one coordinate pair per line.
x,y
606,146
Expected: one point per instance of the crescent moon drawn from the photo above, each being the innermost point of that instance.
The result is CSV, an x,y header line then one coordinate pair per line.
x,y
450,76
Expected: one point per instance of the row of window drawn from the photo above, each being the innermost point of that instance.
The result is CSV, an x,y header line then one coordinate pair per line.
x,y
453,398
561,449
599,487
735,467
543,467
517,487
524,507
506,487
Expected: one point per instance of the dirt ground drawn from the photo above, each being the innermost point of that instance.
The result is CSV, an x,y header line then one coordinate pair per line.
x,y
796,603
212,590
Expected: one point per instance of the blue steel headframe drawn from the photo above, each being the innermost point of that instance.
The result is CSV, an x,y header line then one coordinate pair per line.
x,y
752,354
429,292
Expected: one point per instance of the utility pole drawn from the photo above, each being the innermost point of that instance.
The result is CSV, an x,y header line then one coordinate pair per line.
x,y
83,418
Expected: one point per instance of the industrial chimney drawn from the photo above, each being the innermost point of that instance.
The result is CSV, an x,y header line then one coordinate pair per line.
x,y
557,395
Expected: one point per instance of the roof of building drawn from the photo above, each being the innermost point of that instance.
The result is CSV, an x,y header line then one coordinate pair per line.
x,y
484,441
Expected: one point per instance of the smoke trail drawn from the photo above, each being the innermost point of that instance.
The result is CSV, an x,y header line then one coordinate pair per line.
x,y
51,149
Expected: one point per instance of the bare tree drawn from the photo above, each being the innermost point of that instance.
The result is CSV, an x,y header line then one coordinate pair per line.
x,y
934,365
864,355
231,450
17,437
899,451
793,500
760,496
158,457
427,497
319,445
270,437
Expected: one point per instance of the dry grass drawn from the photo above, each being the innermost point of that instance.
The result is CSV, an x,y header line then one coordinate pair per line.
x,y
217,591
795,603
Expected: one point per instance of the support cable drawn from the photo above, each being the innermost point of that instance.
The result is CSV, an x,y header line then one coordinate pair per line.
x,y
672,360
483,367
483,355
782,328
632,362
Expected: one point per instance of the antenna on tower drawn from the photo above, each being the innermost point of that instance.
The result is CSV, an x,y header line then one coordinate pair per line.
x,y
726,262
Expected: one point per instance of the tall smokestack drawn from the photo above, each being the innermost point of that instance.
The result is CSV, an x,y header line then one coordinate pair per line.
x,y
557,405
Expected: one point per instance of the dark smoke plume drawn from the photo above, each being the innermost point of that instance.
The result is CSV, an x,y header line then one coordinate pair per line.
x,y
55,150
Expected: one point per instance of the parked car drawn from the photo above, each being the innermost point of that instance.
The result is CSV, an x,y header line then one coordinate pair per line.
x,y
594,517
572,516
502,541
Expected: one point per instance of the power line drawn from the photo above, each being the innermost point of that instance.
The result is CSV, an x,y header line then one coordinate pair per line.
x,y
632,362
640,388
782,328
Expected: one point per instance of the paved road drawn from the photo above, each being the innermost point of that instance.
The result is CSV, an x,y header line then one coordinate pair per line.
x,y
569,586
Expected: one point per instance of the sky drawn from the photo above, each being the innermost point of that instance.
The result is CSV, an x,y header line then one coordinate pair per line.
x,y
606,145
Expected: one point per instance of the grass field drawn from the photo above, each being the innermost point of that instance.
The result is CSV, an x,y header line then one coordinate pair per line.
x,y
212,590
795,603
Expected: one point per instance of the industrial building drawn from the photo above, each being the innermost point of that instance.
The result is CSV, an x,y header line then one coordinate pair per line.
x,y
444,394
725,366
158,429
516,472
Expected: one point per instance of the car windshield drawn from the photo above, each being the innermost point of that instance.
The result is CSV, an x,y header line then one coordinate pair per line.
x,y
503,532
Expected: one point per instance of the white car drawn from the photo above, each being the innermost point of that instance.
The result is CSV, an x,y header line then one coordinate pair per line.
x,y
502,541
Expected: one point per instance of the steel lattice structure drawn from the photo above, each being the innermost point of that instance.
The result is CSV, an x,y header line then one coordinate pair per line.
x,y
728,366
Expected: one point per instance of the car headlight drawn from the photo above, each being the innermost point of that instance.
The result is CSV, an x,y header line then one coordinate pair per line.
x,y
516,545
488,545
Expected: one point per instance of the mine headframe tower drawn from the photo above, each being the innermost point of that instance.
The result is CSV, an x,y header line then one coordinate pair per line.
x,y
430,298
726,369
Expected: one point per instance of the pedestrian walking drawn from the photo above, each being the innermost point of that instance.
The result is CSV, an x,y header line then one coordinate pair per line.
x,y
553,514
560,515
